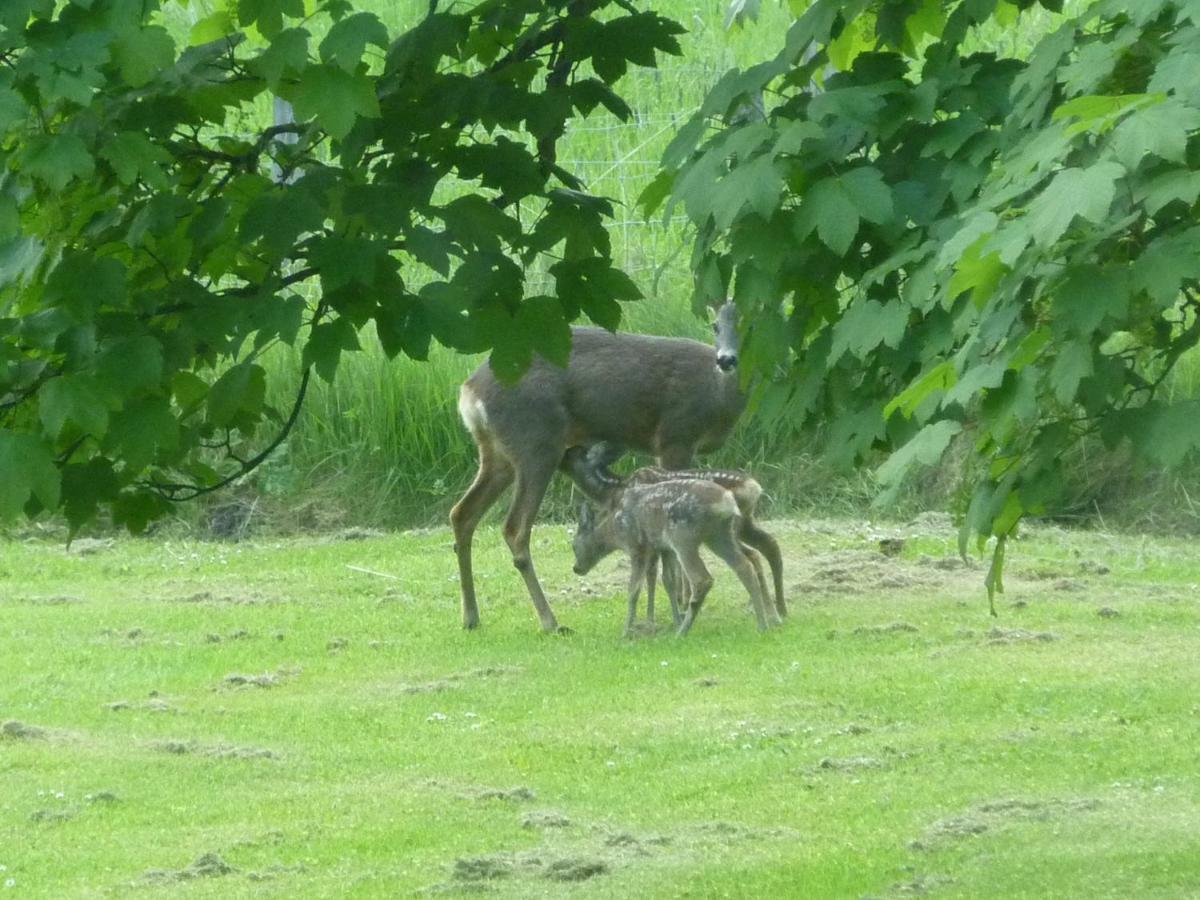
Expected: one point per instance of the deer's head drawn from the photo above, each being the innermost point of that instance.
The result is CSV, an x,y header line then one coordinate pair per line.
x,y
726,336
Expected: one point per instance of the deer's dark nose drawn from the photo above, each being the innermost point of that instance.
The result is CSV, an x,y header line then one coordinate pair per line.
x,y
579,570
727,362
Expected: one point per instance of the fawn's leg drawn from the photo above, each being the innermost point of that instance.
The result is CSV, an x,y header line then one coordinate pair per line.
x,y
726,546
700,581
495,474
764,589
651,581
675,586
638,573
679,588
757,538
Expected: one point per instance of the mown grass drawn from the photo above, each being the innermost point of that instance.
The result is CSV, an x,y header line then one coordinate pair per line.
x,y
889,738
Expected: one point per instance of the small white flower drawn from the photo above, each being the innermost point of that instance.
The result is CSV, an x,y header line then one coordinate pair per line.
x,y
436,717
471,715
3,868
10,883
609,763
664,663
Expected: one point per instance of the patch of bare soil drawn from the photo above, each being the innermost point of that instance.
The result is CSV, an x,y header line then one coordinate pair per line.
x,y
575,868
505,865
276,871
546,818
210,865
492,866
355,533
18,731
250,598
49,600
53,816
733,832
997,814
510,795
917,886
1000,636
89,546
154,705
890,628
516,794
859,571
263,680
456,679
849,763
214,751
946,563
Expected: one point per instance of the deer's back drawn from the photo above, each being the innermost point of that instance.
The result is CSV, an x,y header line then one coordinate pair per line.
x,y
627,388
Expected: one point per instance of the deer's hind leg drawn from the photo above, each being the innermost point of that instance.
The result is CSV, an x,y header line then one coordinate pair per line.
x,y
726,546
751,534
532,477
494,475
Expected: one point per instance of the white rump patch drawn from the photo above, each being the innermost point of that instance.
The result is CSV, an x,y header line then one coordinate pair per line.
x,y
472,410
727,506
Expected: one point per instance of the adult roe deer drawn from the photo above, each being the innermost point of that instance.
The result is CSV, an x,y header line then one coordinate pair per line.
x,y
676,515
670,397
589,470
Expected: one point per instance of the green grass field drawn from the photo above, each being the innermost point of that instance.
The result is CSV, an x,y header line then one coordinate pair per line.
x,y
270,720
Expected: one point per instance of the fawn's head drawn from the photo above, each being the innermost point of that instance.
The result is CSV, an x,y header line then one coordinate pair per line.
x,y
588,543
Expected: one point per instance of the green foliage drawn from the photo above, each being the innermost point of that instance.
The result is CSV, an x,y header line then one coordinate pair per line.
x,y
148,258
1002,247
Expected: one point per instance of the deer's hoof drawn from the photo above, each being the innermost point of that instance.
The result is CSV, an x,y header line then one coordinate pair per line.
x,y
562,631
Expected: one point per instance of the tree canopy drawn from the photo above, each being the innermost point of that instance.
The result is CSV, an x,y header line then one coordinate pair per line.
x,y
148,257
975,248
935,243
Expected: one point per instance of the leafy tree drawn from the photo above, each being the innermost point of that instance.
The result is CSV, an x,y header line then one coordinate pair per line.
x,y
148,259
970,247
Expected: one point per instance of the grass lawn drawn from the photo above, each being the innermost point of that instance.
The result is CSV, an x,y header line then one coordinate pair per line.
x,y
263,720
